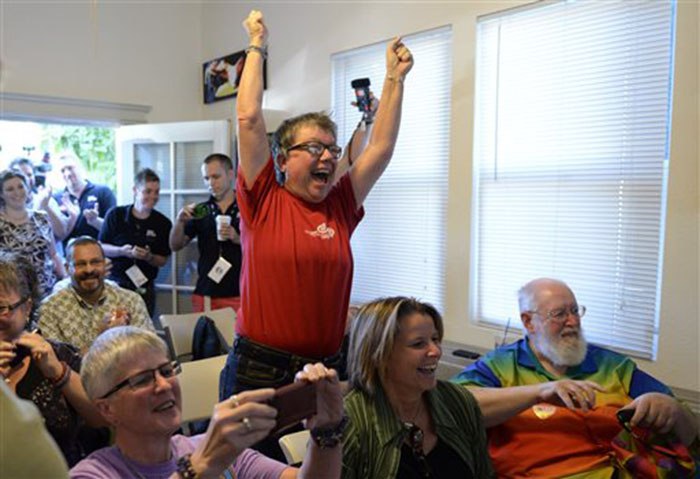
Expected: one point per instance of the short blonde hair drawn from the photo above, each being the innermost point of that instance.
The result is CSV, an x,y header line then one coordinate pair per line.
x,y
110,354
372,334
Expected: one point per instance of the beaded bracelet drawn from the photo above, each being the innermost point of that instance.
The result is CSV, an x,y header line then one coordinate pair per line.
x,y
330,437
254,48
184,467
63,378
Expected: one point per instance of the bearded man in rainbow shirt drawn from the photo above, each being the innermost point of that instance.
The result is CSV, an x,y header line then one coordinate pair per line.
x,y
550,400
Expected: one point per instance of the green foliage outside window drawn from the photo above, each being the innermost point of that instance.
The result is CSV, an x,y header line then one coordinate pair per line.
x,y
93,145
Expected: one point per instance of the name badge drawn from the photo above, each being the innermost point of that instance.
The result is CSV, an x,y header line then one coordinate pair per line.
x,y
136,276
219,270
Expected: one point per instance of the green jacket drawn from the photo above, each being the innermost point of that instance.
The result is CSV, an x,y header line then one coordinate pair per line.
x,y
372,447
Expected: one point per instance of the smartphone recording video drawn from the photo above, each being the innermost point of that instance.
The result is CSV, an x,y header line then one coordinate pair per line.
x,y
21,352
201,210
294,403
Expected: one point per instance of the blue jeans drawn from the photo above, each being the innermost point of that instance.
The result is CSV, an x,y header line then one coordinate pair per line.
x,y
251,365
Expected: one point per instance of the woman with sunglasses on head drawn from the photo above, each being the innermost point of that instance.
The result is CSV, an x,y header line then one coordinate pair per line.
x,y
404,422
296,223
44,372
129,377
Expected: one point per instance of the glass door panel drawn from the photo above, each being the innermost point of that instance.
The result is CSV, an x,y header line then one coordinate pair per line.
x,y
175,151
155,156
188,163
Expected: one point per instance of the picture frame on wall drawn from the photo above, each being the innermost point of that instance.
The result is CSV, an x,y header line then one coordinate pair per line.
x,y
222,76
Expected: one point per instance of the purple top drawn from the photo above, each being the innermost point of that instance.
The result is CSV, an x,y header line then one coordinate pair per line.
x,y
109,463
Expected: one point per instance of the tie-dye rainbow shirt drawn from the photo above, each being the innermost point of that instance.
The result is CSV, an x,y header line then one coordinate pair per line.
x,y
547,441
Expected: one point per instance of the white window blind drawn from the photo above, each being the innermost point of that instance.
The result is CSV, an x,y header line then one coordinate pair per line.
x,y
571,152
399,248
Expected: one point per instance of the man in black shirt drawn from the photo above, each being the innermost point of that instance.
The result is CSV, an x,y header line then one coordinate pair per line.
x,y
94,201
136,238
218,241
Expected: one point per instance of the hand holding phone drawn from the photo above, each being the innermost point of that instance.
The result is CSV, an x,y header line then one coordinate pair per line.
x,y
294,403
361,86
201,210
21,352
624,416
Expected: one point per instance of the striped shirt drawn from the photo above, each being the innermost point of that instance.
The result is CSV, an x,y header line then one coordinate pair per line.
x,y
372,448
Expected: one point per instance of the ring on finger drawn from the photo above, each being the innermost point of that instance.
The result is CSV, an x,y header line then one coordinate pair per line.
x,y
235,401
247,424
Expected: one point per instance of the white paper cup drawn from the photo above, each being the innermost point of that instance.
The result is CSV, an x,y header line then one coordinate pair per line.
x,y
222,220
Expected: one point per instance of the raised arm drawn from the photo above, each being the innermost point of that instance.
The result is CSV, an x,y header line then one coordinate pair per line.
x,y
358,140
59,221
253,148
374,160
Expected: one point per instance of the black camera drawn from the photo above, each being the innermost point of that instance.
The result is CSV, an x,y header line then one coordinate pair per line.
x,y
361,86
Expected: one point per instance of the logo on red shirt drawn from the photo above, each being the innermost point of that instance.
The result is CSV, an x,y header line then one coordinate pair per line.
x,y
322,231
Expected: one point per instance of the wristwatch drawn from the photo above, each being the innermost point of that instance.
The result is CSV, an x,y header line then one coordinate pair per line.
x,y
330,437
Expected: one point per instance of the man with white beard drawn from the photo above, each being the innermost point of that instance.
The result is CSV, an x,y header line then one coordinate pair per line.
x,y
550,400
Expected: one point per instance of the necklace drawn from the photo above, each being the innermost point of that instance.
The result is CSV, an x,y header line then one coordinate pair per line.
x,y
415,415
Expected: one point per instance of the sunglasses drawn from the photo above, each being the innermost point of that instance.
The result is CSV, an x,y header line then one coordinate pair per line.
x,y
415,442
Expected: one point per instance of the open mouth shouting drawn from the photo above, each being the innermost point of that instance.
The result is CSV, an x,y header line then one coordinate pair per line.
x,y
322,174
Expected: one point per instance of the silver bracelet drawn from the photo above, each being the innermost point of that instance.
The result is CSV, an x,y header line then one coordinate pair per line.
x,y
254,48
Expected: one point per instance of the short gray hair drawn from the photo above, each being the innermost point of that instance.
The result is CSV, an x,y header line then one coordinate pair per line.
x,y
527,294
372,334
111,353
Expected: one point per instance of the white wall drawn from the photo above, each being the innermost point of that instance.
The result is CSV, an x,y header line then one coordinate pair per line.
x,y
140,53
152,53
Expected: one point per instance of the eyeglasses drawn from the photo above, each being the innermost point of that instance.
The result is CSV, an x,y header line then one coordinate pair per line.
x,y
316,148
415,442
8,308
146,379
560,315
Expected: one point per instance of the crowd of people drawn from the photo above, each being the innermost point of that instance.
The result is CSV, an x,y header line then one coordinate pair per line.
x,y
78,332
